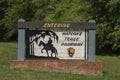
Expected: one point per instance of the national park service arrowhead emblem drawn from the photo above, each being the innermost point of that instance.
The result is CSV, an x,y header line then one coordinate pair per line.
x,y
71,51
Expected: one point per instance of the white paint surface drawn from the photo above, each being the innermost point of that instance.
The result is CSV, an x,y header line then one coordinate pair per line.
x,y
62,49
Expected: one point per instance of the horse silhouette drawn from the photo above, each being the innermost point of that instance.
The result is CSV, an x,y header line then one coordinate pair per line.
x,y
48,47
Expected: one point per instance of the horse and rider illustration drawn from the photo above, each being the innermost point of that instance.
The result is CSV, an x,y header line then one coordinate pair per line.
x,y
38,38
49,47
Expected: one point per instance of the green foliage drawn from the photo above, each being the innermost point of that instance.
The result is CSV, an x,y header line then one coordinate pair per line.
x,y
107,15
16,9
116,38
3,7
60,10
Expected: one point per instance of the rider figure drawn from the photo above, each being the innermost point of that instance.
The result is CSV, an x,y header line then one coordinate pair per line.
x,y
50,42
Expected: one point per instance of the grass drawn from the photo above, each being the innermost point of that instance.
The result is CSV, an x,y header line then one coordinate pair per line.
x,y
8,52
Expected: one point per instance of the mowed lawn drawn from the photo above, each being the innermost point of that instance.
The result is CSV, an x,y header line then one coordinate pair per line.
x,y
8,52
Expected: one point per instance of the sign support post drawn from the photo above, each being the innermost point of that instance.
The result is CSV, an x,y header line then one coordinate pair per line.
x,y
21,42
91,43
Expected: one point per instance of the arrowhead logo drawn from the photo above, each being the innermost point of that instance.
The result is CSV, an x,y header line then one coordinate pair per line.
x,y
71,51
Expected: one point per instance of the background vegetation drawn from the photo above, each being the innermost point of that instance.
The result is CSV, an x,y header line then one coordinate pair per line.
x,y
105,12
8,52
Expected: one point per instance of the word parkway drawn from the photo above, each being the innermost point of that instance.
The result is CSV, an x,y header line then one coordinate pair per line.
x,y
71,44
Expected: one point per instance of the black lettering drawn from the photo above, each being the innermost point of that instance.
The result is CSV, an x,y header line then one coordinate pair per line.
x,y
72,44
71,38
72,33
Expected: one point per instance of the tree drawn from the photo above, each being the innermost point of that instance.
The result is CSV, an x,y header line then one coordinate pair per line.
x,y
114,11
60,10
106,13
3,7
15,10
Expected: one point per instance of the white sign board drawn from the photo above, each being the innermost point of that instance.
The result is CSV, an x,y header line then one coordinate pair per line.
x,y
70,45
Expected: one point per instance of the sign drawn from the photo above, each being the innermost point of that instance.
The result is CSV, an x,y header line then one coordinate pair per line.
x,y
36,40
58,44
